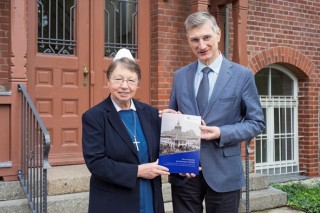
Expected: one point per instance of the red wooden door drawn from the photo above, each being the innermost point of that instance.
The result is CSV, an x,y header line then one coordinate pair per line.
x,y
57,81
64,86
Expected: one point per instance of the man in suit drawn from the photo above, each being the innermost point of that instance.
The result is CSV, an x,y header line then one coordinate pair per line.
x,y
120,138
225,95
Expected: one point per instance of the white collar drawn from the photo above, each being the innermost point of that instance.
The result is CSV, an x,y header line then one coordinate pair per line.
x,y
132,106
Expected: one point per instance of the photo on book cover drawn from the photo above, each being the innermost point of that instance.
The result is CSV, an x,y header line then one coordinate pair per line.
x,y
180,143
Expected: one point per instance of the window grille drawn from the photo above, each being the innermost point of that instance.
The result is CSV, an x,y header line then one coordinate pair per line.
x,y
121,26
276,147
57,26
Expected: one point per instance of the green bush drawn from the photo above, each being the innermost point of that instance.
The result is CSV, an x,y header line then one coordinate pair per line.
x,y
302,196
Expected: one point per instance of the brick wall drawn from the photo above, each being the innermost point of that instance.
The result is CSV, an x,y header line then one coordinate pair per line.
x,y
4,44
279,32
294,26
169,46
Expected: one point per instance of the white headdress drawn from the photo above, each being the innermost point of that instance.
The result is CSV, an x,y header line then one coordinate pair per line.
x,y
123,53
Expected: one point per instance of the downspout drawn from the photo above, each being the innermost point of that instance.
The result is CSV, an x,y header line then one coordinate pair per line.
x,y
226,33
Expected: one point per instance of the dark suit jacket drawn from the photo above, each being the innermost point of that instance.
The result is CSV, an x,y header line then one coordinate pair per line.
x,y
234,107
113,160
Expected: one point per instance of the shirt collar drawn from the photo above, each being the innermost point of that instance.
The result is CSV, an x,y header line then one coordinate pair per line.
x,y
132,106
215,65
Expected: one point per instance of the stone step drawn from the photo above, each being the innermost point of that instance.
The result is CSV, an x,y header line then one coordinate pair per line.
x,y
78,202
75,179
264,199
18,206
259,200
68,190
71,203
257,182
11,190
68,179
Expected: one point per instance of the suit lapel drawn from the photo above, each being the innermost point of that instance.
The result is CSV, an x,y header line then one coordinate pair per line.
x,y
117,124
222,79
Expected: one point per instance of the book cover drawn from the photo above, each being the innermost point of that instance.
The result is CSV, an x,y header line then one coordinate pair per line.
x,y
180,143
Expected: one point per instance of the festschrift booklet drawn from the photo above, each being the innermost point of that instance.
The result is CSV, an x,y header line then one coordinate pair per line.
x,y
180,143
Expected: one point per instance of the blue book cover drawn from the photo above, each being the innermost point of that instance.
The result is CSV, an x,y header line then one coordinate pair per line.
x,y
180,143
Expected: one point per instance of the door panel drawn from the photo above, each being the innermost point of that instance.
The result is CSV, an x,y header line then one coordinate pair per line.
x,y
5,133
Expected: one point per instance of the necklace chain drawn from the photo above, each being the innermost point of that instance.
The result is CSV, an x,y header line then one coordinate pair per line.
x,y
135,127
135,130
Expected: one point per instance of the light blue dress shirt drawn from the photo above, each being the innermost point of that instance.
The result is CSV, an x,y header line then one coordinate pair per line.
x,y
215,66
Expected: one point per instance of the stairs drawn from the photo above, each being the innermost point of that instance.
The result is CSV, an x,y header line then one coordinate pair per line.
x,y
68,192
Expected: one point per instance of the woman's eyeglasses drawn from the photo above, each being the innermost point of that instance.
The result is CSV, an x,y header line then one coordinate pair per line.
x,y
120,80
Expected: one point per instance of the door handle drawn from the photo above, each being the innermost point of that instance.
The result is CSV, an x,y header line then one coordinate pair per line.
x,y
85,74
85,71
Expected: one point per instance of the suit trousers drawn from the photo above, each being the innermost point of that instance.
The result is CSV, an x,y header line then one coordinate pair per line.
x,y
188,198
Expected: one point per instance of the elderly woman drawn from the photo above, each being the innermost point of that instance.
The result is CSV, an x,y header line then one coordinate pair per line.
x,y
121,145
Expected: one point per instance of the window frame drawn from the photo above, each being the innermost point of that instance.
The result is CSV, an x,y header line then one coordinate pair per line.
x,y
270,103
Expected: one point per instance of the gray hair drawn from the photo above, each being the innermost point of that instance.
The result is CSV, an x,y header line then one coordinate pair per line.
x,y
200,18
127,63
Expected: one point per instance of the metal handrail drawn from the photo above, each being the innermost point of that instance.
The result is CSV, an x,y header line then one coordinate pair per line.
x,y
35,147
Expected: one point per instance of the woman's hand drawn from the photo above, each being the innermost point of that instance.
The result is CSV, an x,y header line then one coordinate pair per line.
x,y
151,170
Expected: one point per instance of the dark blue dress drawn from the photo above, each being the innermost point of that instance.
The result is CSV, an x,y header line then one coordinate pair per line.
x,y
132,122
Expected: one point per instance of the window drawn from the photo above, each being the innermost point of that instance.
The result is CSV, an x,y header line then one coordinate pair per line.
x,y
121,18
56,27
276,148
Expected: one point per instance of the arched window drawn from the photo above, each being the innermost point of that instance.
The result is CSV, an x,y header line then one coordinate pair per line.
x,y
276,149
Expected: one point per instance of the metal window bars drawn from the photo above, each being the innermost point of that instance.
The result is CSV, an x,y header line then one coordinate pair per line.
x,y
121,26
57,27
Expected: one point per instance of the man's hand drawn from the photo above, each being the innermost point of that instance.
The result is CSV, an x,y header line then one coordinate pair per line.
x,y
210,132
168,111
190,175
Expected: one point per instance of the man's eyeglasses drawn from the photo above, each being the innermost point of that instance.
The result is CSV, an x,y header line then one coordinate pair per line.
x,y
120,80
